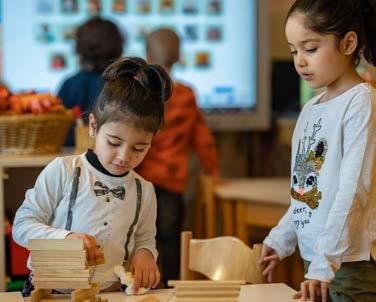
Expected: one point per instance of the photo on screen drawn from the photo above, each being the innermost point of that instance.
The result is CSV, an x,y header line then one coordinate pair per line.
x,y
190,7
44,7
45,33
119,6
94,7
69,6
58,61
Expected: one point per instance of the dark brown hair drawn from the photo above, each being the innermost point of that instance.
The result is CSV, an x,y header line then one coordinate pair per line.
x,y
338,17
98,43
135,92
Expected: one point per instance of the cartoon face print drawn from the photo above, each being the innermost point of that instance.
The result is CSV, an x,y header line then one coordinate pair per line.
x,y
308,162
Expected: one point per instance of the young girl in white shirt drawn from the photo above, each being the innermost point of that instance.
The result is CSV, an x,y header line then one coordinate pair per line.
x,y
333,189
97,196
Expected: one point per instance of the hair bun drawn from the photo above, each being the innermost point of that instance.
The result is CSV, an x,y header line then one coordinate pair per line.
x,y
153,78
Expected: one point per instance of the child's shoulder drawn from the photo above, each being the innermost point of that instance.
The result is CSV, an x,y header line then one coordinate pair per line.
x,y
69,162
144,183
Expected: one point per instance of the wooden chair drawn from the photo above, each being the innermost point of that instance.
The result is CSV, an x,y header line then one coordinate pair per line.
x,y
220,258
205,207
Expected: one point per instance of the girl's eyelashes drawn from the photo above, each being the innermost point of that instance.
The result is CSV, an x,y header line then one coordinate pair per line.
x,y
138,149
311,50
113,144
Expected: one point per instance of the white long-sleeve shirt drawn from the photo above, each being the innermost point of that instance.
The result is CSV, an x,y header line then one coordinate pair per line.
x,y
108,218
333,189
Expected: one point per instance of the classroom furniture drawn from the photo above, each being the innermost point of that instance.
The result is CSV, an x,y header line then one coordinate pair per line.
x,y
16,162
252,202
221,258
275,292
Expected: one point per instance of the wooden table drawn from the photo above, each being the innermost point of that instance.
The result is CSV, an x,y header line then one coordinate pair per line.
x,y
276,292
247,202
17,162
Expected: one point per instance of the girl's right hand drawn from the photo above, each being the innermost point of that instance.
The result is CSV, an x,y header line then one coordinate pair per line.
x,y
269,258
92,251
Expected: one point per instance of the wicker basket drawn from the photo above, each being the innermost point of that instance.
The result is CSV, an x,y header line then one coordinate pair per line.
x,y
83,141
29,134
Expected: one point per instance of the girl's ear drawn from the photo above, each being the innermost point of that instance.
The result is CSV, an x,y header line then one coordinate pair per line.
x,y
92,125
349,43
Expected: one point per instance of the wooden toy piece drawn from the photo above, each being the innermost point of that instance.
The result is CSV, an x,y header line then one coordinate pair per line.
x,y
206,290
232,260
149,299
79,295
38,294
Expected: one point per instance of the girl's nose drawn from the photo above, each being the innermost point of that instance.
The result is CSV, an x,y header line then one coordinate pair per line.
x,y
300,61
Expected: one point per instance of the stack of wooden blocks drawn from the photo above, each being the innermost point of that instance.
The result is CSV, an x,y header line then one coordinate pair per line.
x,y
61,264
206,290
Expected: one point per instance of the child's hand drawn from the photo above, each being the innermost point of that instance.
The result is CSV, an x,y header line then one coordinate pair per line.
x,y
311,289
93,252
270,259
144,270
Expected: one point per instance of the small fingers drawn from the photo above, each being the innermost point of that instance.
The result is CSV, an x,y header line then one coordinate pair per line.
x,y
137,280
312,291
324,292
157,279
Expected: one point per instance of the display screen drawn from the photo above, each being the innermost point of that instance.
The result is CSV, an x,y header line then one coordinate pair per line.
x,y
218,54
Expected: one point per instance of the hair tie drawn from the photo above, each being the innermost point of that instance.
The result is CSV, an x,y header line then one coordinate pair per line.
x,y
136,78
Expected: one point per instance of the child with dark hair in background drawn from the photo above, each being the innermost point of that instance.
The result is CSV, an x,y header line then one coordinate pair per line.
x,y
333,189
166,164
113,207
98,43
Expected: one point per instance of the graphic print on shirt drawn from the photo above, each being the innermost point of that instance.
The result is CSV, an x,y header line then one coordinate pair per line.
x,y
309,159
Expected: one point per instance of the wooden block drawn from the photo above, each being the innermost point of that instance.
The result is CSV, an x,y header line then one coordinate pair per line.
x,y
58,255
57,279
207,294
38,294
82,294
59,265
199,299
204,283
62,273
57,285
56,244
149,299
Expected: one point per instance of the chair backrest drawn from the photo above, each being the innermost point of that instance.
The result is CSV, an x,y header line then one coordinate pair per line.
x,y
205,210
220,258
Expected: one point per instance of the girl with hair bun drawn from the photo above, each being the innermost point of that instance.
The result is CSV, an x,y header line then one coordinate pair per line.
x,y
97,196
333,168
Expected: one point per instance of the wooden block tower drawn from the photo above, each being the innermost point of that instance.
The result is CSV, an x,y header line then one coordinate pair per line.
x,y
61,264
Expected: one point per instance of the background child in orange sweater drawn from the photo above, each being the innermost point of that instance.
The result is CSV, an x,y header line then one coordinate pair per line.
x,y
166,164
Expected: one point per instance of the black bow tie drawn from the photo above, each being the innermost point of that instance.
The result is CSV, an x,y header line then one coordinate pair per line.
x,y
118,192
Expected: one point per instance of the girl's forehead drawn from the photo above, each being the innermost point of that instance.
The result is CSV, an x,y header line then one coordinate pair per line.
x,y
125,131
296,31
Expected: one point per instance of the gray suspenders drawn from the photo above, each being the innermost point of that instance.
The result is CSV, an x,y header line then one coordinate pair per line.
x,y
135,220
73,196
72,201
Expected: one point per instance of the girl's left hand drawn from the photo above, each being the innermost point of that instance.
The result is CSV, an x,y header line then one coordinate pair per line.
x,y
144,270
312,289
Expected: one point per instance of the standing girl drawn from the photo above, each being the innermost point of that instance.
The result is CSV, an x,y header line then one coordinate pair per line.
x,y
97,196
333,189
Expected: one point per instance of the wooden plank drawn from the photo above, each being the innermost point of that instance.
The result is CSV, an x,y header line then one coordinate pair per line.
x,y
67,273
59,265
57,285
207,294
207,283
199,299
58,279
54,254
56,244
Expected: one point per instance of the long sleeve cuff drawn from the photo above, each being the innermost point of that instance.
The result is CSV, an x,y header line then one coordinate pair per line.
x,y
274,245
